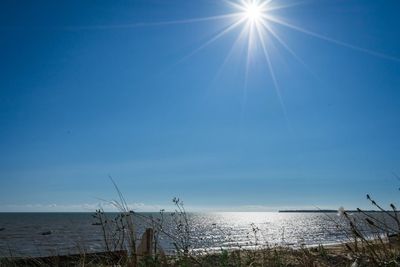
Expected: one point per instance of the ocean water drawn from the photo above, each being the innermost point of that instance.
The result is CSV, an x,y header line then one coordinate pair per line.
x,y
70,233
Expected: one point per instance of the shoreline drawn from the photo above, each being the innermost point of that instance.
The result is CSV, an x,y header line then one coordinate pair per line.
x,y
332,252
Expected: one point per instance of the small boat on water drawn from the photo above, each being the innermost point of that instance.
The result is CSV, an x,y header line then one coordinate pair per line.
x,y
46,233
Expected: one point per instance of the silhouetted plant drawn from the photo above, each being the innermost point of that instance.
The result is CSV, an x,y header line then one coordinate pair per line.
x,y
373,236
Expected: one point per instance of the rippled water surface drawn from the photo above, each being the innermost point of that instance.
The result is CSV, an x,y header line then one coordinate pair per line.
x,y
73,232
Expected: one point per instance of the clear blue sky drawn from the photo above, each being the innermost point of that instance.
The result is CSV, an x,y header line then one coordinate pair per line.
x,y
96,88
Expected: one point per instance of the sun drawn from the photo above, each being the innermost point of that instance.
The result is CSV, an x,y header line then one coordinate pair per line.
x,y
253,12
253,15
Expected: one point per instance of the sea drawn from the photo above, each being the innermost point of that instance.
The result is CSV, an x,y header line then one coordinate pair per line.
x,y
49,234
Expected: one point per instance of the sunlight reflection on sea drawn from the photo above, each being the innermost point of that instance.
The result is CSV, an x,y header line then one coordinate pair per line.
x,y
74,232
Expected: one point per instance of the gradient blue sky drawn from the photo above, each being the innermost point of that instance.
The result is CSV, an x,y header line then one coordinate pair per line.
x,y
94,88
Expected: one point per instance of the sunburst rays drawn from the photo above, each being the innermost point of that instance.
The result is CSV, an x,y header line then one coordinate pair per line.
x,y
258,20
256,24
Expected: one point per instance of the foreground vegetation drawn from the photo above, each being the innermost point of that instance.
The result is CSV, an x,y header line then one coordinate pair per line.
x,y
372,241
